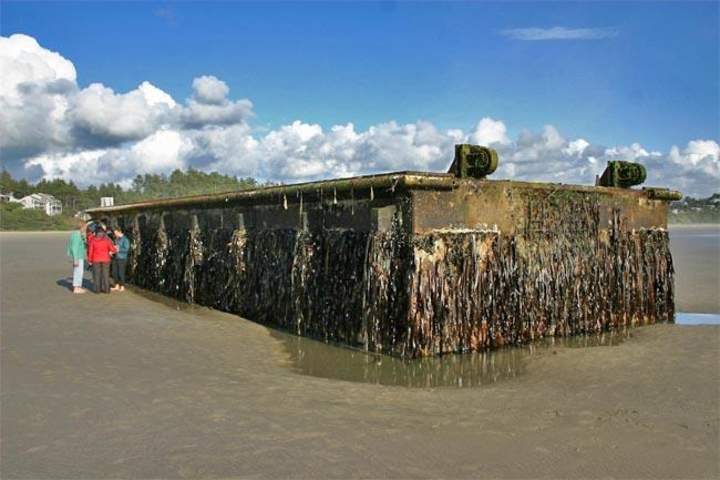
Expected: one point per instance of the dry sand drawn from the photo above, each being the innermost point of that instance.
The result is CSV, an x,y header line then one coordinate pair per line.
x,y
121,386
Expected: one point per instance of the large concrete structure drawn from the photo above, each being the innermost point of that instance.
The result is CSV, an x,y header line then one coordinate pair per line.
x,y
412,264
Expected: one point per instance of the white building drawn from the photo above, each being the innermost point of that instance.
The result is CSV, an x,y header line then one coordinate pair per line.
x,y
8,198
50,204
107,201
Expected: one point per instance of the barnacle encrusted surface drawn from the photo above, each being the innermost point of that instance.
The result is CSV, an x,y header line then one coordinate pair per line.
x,y
572,263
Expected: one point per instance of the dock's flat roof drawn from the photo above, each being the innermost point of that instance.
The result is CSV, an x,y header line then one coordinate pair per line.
x,y
403,179
407,180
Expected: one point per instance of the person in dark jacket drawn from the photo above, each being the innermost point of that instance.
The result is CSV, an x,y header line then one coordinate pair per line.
x,y
119,262
99,252
110,232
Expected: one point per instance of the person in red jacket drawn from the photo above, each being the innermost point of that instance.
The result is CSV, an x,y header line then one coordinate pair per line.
x,y
100,249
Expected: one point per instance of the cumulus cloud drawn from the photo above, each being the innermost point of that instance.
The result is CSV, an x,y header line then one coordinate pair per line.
x,y
559,33
33,96
197,114
51,127
489,132
210,105
98,112
210,90
303,151
43,110
24,60
161,152
695,169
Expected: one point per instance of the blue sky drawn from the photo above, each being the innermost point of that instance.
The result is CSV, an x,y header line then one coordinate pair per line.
x,y
654,82
99,92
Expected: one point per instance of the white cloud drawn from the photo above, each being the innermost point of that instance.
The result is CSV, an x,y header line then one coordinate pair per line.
x,y
628,153
154,96
53,128
209,105
161,152
703,153
198,115
576,147
167,148
695,170
489,132
230,150
43,110
102,114
559,33
24,60
33,85
208,89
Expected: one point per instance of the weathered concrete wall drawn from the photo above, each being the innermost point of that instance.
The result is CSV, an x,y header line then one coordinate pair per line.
x,y
520,207
534,262
414,271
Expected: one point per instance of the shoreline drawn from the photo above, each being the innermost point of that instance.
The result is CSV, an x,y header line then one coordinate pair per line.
x,y
694,225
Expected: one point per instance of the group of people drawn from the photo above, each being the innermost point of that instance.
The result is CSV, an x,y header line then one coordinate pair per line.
x,y
105,251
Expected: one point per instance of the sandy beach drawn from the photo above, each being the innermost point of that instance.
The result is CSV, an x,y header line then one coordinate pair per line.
x,y
123,386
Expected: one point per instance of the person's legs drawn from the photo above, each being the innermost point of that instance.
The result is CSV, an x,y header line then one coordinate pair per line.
x,y
78,271
96,270
114,274
120,272
105,281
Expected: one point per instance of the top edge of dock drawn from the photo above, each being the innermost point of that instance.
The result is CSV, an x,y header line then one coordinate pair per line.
x,y
381,184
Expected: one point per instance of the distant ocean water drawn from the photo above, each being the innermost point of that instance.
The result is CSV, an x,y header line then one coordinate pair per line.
x,y
682,318
696,256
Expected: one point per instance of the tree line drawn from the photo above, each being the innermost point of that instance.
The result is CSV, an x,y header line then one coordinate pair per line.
x,y
696,210
143,187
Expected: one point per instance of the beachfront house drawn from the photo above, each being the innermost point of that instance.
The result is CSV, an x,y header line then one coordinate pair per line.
x,y
50,204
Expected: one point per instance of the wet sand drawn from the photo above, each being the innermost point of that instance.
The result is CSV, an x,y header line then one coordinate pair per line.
x,y
121,386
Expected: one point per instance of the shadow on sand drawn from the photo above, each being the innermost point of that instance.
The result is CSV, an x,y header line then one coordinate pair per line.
x,y
67,284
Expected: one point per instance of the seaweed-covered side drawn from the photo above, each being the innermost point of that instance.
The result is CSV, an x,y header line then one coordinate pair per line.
x,y
562,273
476,290
390,291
